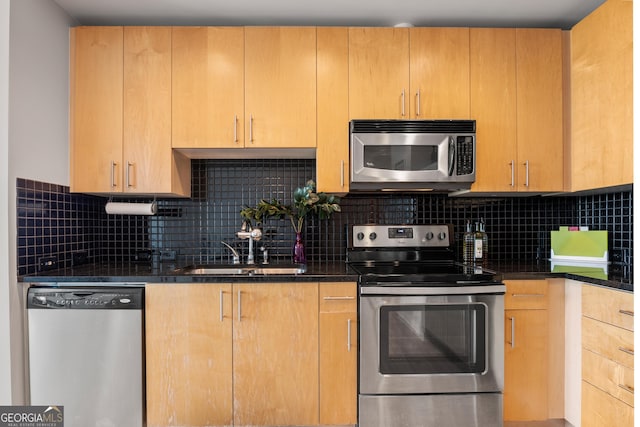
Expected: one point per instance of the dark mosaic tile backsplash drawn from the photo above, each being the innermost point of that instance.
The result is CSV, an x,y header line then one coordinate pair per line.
x,y
55,223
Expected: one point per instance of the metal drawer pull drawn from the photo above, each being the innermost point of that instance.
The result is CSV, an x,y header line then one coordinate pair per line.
x,y
349,335
402,102
251,128
341,173
129,165
626,388
527,295
113,174
626,350
221,305
418,104
513,331
330,298
526,179
513,178
626,312
239,306
235,128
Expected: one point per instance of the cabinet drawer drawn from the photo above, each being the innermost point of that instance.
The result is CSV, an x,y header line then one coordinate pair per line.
x,y
607,305
338,297
526,294
607,375
607,340
602,410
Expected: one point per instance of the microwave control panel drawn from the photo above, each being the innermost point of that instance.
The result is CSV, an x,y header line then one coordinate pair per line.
x,y
464,155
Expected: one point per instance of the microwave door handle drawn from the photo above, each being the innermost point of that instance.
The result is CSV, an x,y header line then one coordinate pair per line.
x,y
452,155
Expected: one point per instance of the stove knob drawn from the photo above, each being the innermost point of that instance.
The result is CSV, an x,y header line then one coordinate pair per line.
x,y
373,236
442,235
429,235
360,235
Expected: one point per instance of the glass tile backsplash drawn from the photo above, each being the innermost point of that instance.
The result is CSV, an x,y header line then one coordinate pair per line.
x,y
53,223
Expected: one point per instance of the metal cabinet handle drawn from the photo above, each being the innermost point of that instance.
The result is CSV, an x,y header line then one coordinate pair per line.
x,y
235,128
513,331
418,103
626,388
626,312
129,166
527,295
251,128
221,305
403,102
239,306
331,298
526,176
114,184
513,176
341,173
626,350
349,335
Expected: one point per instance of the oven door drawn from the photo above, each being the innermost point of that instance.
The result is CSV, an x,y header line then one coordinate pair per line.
x,y
442,343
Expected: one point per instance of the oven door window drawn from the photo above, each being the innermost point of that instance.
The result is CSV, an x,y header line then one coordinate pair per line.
x,y
401,157
433,339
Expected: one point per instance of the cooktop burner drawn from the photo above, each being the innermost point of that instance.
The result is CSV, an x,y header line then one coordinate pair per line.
x,y
422,273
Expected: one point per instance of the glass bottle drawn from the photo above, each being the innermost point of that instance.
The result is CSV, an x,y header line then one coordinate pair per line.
x,y
478,252
468,244
485,241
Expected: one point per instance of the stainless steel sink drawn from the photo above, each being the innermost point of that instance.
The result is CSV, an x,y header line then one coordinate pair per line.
x,y
241,270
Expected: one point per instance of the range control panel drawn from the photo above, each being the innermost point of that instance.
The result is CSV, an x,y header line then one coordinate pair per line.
x,y
398,236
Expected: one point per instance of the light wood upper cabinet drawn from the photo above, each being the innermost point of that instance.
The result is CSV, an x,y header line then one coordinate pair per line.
x,y
602,97
280,87
338,354
539,110
493,106
516,99
96,101
121,113
378,73
332,152
188,351
208,87
439,73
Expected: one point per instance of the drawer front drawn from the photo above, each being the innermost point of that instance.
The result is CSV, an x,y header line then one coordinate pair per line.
x,y
338,297
607,340
608,305
607,375
526,294
601,410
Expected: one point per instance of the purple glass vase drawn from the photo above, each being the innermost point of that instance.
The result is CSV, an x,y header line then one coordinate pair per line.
x,y
298,250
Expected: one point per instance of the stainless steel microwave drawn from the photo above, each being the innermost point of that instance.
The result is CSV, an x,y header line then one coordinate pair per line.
x,y
412,154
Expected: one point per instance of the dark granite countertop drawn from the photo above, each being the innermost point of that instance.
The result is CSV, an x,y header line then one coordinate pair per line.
x,y
136,274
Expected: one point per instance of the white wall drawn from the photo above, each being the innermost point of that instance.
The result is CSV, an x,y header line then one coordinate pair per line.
x,y
37,140
5,355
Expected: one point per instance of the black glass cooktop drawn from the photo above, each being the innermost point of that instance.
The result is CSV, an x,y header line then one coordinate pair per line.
x,y
421,272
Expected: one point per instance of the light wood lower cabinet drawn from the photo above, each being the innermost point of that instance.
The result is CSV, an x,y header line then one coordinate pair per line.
x,y
526,350
338,353
241,354
607,357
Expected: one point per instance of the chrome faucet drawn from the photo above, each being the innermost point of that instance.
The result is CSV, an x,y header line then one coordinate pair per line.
x,y
248,232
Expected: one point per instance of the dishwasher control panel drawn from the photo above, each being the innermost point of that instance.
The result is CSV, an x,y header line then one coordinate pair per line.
x,y
84,298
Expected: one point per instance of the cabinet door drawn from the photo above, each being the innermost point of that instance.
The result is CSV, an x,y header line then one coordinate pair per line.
x,y
96,79
280,87
526,365
539,110
602,97
600,409
332,153
189,365
275,354
338,353
439,73
147,155
208,87
378,73
493,106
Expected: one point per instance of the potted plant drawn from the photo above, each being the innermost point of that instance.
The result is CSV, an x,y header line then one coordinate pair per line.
x,y
305,202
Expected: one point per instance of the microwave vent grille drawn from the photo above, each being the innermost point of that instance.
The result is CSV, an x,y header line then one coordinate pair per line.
x,y
413,126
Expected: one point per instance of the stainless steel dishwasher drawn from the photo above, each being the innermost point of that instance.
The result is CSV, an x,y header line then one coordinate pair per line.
x,y
86,352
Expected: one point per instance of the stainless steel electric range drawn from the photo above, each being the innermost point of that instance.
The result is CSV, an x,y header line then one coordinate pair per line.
x,y
431,330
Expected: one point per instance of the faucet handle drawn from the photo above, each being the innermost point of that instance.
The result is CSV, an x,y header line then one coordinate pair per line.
x,y
236,255
265,254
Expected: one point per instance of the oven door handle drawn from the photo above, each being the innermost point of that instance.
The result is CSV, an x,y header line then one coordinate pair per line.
x,y
402,288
